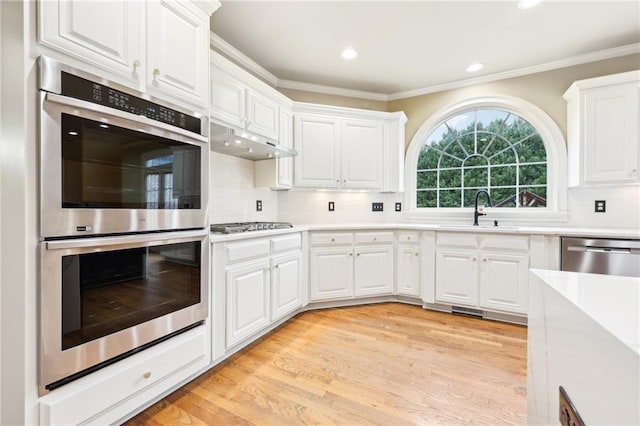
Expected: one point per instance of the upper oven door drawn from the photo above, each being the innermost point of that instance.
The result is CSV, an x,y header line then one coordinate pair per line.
x,y
106,171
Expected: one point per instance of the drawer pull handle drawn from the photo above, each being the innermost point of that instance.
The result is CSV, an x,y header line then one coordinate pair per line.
x,y
417,254
147,374
375,239
358,254
333,240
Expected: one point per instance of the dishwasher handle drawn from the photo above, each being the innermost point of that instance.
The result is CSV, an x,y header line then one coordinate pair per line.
x,y
597,249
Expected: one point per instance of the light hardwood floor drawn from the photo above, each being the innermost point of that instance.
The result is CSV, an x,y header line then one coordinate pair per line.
x,y
388,364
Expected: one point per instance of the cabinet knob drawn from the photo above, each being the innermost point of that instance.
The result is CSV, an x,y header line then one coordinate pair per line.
x,y
156,73
333,240
136,64
147,374
417,254
337,180
633,172
358,254
473,259
277,266
375,239
350,254
485,259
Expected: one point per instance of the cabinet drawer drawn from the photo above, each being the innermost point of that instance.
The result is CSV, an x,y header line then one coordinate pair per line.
x,y
505,242
331,238
408,236
374,237
247,249
286,243
93,396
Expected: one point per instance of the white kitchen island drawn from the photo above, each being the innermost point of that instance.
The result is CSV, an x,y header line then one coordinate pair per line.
x,y
584,335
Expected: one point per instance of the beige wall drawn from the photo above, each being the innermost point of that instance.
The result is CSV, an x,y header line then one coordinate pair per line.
x,y
335,100
543,89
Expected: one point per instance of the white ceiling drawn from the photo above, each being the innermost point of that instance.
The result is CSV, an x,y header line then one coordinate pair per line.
x,y
406,46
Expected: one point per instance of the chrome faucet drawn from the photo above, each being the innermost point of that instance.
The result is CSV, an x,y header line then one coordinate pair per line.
x,y
477,214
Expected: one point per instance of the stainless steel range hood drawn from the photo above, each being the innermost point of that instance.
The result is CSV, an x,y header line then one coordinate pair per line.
x,y
240,143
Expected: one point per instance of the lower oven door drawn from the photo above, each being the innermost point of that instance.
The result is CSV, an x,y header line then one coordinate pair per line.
x,y
102,298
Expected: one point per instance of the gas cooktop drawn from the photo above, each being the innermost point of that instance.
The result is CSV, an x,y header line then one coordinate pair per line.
x,y
230,228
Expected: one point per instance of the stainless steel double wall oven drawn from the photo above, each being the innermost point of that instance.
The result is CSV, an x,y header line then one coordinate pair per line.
x,y
123,211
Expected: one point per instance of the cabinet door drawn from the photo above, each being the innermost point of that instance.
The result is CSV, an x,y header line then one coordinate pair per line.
x,y
105,34
408,270
373,270
317,143
227,98
262,115
247,300
504,282
178,51
457,277
285,285
611,134
361,146
330,273
285,165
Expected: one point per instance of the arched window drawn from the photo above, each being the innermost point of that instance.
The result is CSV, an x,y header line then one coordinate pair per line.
x,y
503,145
482,149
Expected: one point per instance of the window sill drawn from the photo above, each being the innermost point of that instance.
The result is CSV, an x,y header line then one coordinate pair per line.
x,y
510,216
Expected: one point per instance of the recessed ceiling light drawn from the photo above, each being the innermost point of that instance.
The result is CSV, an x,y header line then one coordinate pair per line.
x,y
237,141
349,53
476,66
528,4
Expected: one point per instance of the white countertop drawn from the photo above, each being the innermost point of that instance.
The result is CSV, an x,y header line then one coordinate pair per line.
x,y
611,301
506,229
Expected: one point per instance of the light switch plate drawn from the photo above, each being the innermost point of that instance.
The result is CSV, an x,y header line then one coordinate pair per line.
x,y
377,207
398,207
258,205
600,206
332,206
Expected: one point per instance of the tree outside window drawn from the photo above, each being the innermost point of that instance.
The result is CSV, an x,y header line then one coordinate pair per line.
x,y
482,149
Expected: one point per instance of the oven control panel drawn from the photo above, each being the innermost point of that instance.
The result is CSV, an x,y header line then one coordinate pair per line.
x,y
86,90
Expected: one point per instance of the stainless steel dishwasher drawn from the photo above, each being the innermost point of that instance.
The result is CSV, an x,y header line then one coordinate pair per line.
x,y
601,256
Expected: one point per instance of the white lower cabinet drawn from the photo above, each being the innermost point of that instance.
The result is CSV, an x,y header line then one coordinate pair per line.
x,y
486,272
456,277
408,261
373,270
113,393
503,282
247,299
330,273
256,281
338,269
286,294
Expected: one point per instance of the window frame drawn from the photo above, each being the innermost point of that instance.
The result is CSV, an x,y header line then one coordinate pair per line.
x,y
552,138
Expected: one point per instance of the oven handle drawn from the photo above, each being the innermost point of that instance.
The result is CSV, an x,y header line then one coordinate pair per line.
x,y
127,240
141,119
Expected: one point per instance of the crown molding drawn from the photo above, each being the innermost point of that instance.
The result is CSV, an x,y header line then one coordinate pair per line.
x,y
248,63
599,55
331,90
241,59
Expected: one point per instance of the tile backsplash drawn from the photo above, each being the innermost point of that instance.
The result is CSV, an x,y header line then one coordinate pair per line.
x,y
232,193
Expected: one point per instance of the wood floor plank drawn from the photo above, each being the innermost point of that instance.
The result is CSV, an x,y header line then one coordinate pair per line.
x,y
375,364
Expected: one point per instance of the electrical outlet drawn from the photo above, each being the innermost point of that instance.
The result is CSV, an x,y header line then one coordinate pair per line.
x,y
398,207
600,206
332,206
377,207
258,205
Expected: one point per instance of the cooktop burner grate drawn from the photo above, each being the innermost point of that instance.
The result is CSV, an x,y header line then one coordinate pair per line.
x,y
230,228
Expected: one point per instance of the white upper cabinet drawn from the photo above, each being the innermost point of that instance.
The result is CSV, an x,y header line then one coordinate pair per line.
x,y
345,148
240,100
361,154
108,34
317,140
603,130
159,47
262,115
178,51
